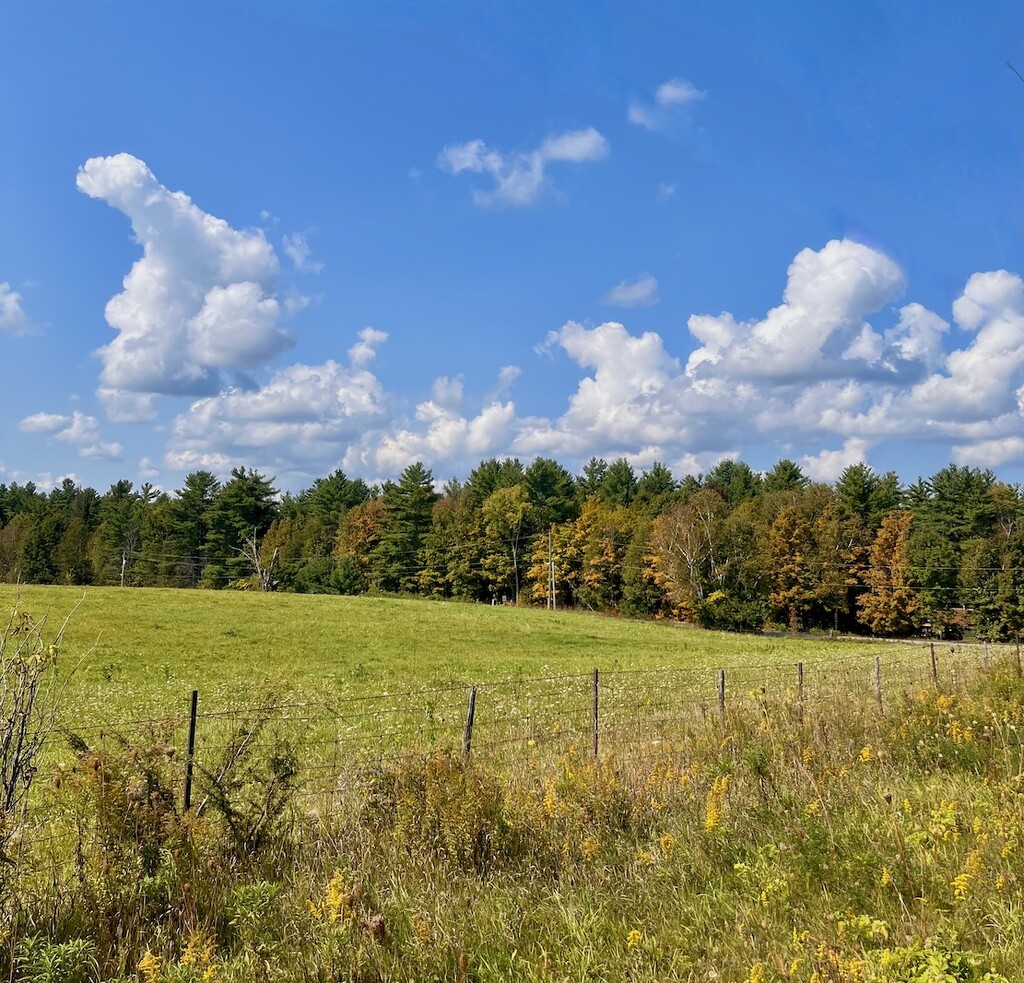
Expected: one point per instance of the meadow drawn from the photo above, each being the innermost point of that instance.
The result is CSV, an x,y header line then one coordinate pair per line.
x,y
337,832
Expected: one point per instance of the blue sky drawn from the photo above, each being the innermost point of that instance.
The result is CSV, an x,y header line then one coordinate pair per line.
x,y
297,236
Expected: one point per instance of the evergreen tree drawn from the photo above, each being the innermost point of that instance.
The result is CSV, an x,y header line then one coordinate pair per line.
x,y
405,521
552,492
39,552
656,490
189,525
619,485
490,475
785,476
328,499
734,481
590,481
867,495
243,509
116,543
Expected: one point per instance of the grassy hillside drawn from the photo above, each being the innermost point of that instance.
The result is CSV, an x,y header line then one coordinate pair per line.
x,y
148,646
341,835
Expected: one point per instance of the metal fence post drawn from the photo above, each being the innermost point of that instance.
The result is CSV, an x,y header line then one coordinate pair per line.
x,y
189,761
467,734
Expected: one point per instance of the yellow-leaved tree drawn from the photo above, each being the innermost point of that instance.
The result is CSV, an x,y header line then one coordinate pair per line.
x,y
890,604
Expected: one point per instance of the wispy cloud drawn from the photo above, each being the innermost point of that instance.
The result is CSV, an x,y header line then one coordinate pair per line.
x,y
678,92
669,108
13,318
79,430
297,249
641,292
520,177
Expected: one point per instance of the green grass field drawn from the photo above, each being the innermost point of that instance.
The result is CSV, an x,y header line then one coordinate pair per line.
x,y
781,840
149,647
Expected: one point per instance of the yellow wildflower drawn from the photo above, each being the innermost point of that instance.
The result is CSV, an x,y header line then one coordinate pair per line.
x,y
867,753
589,848
886,877
633,939
199,953
667,842
149,967
758,973
961,885
715,801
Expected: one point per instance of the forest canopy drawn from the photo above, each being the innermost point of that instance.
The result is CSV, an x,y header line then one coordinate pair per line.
x,y
733,548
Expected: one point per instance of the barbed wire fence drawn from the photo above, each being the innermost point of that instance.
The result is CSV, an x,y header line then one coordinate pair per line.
x,y
501,721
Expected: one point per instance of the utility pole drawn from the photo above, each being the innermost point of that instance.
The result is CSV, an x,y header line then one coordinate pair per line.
x,y
552,600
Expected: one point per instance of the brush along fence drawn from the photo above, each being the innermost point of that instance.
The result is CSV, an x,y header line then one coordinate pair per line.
x,y
596,713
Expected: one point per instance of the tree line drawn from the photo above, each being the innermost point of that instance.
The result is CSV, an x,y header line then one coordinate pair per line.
x,y
731,549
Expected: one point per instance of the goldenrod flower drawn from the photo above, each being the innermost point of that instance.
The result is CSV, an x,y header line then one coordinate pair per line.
x,y
149,967
715,801
633,939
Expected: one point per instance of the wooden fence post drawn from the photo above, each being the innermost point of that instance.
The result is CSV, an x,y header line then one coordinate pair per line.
x,y
191,748
878,683
595,715
721,692
467,733
935,668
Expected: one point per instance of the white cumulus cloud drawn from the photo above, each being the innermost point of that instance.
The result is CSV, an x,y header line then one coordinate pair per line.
x,y
364,350
818,331
828,465
520,177
198,307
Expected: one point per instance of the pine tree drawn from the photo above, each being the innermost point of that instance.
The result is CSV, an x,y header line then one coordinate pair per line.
x,y
405,521
243,509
